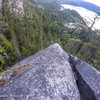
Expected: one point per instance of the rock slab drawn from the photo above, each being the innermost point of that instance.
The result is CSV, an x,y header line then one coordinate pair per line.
x,y
50,77
88,80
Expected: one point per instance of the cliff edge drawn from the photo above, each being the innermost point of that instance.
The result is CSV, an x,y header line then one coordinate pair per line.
x,y
51,74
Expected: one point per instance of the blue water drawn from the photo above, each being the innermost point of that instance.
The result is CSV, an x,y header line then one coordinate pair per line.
x,y
87,5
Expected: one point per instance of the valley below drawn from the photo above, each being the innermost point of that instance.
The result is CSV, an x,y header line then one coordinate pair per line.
x,y
86,14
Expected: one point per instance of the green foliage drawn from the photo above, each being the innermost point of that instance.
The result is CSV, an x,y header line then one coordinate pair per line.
x,y
7,52
84,27
1,62
90,52
25,35
72,45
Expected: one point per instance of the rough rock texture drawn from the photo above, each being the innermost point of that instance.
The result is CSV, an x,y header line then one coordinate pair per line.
x,y
50,77
7,76
19,4
88,80
53,75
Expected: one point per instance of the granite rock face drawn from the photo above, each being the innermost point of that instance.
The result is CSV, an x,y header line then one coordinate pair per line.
x,y
53,75
19,4
50,77
88,79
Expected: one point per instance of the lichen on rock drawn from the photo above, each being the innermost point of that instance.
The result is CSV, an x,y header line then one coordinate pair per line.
x,y
11,74
52,74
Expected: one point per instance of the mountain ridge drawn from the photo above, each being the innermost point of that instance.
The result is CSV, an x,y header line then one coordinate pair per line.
x,y
52,76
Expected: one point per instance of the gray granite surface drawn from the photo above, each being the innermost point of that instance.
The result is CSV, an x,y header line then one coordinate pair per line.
x,y
50,77
53,75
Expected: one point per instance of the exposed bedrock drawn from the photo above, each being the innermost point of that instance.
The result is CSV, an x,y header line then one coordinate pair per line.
x,y
53,75
88,79
50,77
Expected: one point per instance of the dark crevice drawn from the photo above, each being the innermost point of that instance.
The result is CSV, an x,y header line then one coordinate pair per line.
x,y
86,92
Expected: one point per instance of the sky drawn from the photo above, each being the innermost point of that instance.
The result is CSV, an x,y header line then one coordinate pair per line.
x,y
96,2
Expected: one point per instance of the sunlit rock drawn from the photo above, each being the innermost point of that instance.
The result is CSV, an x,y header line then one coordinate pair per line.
x,y
88,79
50,77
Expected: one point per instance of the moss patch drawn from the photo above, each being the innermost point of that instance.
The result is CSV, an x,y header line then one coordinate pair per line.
x,y
19,69
15,71
2,74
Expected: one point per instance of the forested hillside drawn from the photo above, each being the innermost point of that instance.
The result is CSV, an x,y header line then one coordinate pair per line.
x,y
22,35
